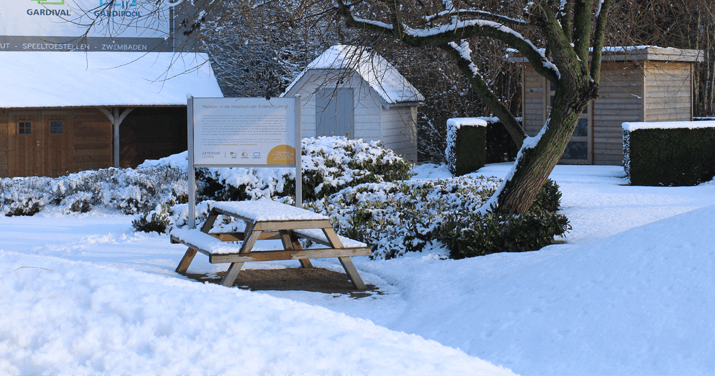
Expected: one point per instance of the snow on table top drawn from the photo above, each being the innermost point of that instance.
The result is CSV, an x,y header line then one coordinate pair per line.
x,y
668,125
267,210
104,79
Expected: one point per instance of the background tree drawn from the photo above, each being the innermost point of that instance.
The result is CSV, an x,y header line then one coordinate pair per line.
x,y
564,29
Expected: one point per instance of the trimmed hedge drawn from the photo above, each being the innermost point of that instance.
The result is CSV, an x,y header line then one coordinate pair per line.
x,y
466,145
669,157
500,146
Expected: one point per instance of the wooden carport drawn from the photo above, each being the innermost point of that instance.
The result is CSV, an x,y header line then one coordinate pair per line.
x,y
75,121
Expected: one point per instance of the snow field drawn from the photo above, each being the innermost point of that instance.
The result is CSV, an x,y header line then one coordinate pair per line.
x,y
83,318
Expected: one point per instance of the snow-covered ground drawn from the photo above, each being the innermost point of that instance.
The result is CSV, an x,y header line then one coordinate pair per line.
x,y
629,293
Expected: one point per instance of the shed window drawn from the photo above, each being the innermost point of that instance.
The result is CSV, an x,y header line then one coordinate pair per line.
x,y
24,127
55,127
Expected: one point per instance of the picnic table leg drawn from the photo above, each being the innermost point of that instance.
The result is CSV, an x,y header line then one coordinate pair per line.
x,y
186,261
209,224
345,261
231,274
252,236
290,241
352,272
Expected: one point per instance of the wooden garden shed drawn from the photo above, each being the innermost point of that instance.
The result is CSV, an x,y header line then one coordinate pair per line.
x,y
637,84
351,90
62,112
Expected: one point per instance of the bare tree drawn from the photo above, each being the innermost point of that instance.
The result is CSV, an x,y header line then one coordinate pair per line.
x,y
565,30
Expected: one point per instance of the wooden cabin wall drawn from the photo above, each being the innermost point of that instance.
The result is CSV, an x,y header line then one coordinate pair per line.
x,y
668,91
367,103
91,139
81,140
621,100
4,143
399,131
534,110
152,133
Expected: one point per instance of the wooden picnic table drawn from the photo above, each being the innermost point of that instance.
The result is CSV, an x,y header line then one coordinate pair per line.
x,y
267,219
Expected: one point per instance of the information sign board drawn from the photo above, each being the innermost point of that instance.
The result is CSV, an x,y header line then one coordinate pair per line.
x,y
244,131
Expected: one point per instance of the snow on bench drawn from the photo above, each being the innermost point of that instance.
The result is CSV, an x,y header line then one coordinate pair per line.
x,y
318,236
206,243
215,248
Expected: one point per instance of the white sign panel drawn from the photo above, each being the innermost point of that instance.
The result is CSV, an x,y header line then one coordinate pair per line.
x,y
244,131
122,25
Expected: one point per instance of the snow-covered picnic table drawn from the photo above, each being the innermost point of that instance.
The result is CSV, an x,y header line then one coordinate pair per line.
x,y
267,219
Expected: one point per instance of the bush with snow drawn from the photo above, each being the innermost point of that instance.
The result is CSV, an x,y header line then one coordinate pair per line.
x,y
400,217
329,164
129,190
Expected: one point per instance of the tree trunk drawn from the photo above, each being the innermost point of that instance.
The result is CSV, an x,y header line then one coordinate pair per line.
x,y
536,161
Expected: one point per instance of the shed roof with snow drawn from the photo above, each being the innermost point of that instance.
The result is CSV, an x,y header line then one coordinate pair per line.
x,y
353,90
79,79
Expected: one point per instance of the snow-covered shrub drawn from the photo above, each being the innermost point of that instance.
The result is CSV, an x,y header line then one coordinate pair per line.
x,y
155,221
329,165
129,190
466,145
400,217
469,234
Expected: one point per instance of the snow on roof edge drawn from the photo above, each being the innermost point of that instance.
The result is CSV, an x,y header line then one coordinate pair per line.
x,y
382,76
93,79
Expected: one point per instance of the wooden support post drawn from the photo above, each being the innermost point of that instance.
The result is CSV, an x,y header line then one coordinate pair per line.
x,y
186,261
116,120
290,241
231,274
352,272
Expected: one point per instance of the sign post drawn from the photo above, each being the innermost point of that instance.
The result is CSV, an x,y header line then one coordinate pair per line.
x,y
243,132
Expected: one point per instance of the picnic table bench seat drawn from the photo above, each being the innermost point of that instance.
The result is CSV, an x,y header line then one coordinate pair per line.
x,y
222,252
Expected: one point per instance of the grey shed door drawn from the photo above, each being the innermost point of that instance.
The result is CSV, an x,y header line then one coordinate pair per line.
x,y
334,115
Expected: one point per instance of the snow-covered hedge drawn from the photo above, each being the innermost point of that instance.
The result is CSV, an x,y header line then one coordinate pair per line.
x,y
329,165
466,145
470,233
669,153
129,190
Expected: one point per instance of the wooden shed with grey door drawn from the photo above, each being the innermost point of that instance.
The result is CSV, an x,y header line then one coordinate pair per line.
x,y
352,91
637,84
96,110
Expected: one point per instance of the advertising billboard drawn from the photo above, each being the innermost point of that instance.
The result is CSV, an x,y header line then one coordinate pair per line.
x,y
85,25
